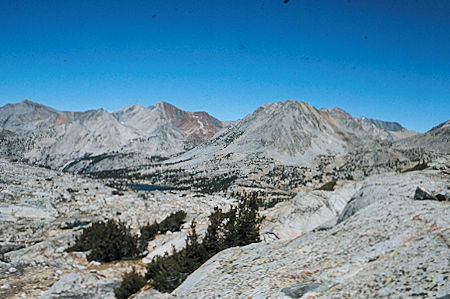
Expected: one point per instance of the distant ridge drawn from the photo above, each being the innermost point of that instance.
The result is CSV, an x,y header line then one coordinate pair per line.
x,y
290,132
437,139
293,132
48,136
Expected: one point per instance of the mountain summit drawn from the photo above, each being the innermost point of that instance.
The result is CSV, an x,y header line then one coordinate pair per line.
x,y
47,136
294,131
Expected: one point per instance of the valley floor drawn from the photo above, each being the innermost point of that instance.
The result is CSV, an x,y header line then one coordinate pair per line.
x,y
366,239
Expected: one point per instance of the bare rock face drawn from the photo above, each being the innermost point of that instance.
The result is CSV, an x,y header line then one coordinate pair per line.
x,y
294,133
391,246
75,285
306,211
197,126
304,289
423,194
50,137
150,294
437,139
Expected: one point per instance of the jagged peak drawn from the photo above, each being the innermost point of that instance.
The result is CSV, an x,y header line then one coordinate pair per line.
x,y
27,102
441,126
27,106
336,110
288,106
132,107
170,111
165,105
384,125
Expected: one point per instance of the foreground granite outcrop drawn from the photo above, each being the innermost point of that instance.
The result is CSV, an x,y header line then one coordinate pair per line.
x,y
391,246
41,212
385,244
75,285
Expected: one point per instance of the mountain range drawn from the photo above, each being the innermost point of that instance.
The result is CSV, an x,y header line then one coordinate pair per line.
x,y
289,132
294,132
43,135
349,206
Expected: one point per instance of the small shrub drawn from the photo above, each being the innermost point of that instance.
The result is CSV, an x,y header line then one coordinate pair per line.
x,y
418,166
328,186
108,241
131,283
237,227
167,272
173,222
148,233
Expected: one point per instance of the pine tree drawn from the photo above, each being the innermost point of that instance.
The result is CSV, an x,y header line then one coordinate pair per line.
x,y
214,239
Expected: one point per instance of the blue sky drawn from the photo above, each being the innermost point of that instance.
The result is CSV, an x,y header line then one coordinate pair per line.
x,y
384,59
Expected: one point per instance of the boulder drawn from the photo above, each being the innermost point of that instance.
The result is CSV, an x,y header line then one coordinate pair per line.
x,y
150,294
423,194
82,285
297,291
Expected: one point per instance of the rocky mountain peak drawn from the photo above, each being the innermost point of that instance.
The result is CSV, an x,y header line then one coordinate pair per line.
x,y
294,132
61,136
437,139
25,106
384,125
336,110
25,116
443,125
198,126
170,111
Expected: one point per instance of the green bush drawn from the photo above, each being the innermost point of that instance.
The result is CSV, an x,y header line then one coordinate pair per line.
x,y
111,240
173,222
237,227
167,272
148,233
108,241
131,283
328,186
418,166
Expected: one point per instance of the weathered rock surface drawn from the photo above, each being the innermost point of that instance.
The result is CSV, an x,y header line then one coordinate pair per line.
x,y
75,285
437,139
42,210
46,136
306,211
389,246
424,194
150,294
304,289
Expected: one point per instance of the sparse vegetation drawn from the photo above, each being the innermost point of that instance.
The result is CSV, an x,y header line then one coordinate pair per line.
x,y
419,166
111,240
172,223
214,184
131,283
237,227
108,241
329,186
263,199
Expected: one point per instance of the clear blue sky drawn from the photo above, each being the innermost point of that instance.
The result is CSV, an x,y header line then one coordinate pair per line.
x,y
385,59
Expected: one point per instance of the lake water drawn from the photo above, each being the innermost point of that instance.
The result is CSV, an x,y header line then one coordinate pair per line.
x,y
145,187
